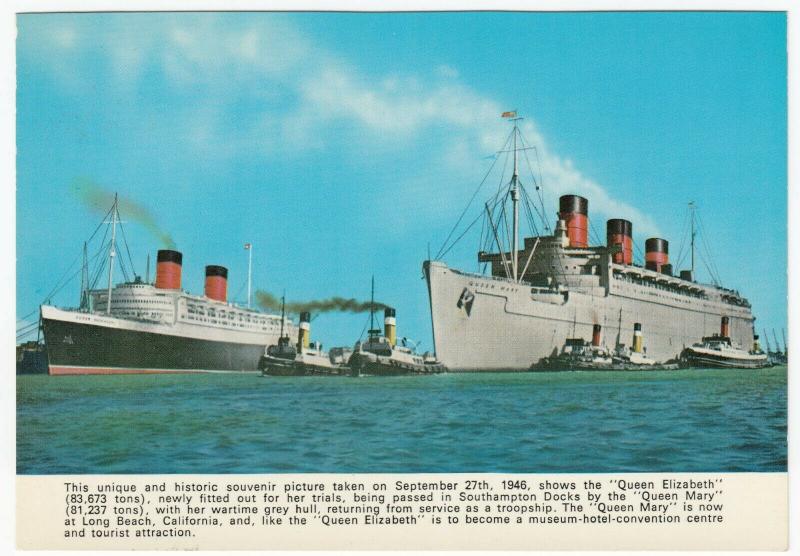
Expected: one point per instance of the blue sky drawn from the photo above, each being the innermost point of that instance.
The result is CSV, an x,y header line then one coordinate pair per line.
x,y
340,145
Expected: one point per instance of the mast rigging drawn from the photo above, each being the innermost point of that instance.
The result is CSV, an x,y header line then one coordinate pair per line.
x,y
112,253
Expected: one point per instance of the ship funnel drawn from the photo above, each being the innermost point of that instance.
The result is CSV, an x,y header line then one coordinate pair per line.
x,y
756,343
390,325
725,328
656,253
596,335
168,269
574,210
217,282
619,233
638,340
304,332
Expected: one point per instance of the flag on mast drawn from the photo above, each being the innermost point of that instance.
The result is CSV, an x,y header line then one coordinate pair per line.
x,y
512,114
247,245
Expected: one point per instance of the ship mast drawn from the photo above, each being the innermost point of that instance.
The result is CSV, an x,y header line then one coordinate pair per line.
x,y
691,213
249,247
112,253
372,307
84,304
283,311
493,231
515,201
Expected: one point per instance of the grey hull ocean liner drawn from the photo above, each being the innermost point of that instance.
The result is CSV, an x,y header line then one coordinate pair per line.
x,y
528,300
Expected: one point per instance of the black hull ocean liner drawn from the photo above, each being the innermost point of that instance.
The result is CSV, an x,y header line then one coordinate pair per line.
x,y
93,344
137,327
533,297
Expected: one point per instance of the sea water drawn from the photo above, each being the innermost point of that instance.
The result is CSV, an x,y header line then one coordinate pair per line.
x,y
655,421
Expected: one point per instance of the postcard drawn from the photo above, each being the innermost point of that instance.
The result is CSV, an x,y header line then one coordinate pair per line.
x,y
401,280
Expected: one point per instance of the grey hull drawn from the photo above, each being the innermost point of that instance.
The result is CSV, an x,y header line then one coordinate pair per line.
x,y
505,326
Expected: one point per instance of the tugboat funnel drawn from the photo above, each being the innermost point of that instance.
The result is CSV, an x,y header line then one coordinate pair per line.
x,y
596,335
304,331
638,340
724,328
756,343
390,325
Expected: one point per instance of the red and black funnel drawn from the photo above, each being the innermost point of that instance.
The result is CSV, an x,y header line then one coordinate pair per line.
x,y
619,233
656,253
217,282
574,211
168,269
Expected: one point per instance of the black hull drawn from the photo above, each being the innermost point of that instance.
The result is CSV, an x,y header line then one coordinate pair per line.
x,y
77,348
548,367
364,366
274,367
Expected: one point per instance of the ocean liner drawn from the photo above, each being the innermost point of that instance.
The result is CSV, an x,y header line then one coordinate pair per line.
x,y
557,286
138,327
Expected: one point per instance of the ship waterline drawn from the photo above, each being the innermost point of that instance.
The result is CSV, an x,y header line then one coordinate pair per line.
x,y
491,323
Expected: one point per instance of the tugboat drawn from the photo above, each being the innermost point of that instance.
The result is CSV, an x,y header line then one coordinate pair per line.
x,y
306,358
636,358
311,359
717,351
278,360
579,355
380,355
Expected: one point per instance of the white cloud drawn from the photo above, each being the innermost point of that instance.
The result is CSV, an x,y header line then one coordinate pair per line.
x,y
271,60
561,177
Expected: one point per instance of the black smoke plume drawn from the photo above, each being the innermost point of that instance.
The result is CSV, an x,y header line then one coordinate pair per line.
x,y
269,302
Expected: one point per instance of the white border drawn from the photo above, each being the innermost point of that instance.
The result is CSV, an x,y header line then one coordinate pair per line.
x,y
8,150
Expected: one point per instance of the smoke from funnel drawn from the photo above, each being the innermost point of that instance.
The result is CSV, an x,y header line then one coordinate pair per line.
x,y
270,302
98,199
